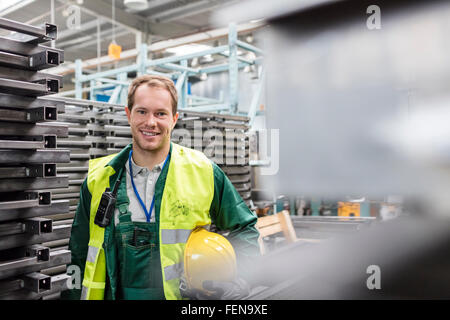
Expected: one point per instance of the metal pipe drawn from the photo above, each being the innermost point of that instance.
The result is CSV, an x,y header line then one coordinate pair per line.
x,y
103,74
256,97
52,19
177,67
41,34
186,56
249,47
122,83
210,108
161,46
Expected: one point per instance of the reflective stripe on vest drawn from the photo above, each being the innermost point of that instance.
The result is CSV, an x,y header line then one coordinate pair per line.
x,y
92,254
169,236
95,269
187,197
174,271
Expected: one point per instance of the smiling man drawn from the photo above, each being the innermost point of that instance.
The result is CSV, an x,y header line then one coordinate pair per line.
x,y
162,193
152,114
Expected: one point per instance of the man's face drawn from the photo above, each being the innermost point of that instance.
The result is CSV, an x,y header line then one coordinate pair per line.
x,y
151,119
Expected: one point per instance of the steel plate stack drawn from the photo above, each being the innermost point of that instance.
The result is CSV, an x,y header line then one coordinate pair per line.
x,y
96,129
31,265
223,139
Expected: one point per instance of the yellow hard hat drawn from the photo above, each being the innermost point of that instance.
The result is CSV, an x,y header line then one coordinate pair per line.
x,y
208,256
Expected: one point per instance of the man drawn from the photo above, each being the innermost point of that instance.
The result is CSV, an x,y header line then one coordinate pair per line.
x,y
164,191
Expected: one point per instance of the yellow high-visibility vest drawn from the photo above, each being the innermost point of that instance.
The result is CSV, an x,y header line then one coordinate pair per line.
x,y
186,200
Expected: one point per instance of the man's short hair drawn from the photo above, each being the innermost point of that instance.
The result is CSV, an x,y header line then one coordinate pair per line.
x,y
153,81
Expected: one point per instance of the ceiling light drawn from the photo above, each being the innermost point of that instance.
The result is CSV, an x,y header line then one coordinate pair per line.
x,y
194,62
257,20
250,56
188,49
136,4
206,59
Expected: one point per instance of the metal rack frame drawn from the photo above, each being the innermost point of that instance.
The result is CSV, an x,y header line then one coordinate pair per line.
x,y
28,158
176,67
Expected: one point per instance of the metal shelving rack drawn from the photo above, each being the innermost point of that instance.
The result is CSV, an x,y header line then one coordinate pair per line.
x,y
30,267
115,82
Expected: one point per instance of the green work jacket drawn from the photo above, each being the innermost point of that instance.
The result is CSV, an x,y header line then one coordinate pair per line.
x,y
228,213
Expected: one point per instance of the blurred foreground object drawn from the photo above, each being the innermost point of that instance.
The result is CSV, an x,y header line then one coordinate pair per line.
x,y
360,97
403,258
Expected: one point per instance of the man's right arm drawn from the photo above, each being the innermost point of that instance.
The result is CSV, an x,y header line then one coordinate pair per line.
x,y
79,239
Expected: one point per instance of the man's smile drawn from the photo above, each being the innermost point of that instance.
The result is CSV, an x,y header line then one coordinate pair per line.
x,y
149,133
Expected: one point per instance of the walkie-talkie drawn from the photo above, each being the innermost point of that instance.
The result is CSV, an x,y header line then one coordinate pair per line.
x,y
107,205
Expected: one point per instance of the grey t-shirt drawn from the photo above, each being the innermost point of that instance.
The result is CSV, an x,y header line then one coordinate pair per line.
x,y
145,181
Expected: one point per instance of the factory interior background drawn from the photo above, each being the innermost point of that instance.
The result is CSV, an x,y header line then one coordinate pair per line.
x,y
330,118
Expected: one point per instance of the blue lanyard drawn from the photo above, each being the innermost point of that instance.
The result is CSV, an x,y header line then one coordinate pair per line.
x,y
148,214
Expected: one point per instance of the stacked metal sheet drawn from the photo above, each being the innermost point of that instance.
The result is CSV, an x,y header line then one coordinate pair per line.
x,y
97,129
30,268
94,130
222,138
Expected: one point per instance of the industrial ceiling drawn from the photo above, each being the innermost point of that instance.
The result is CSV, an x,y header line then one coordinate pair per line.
x,y
162,19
